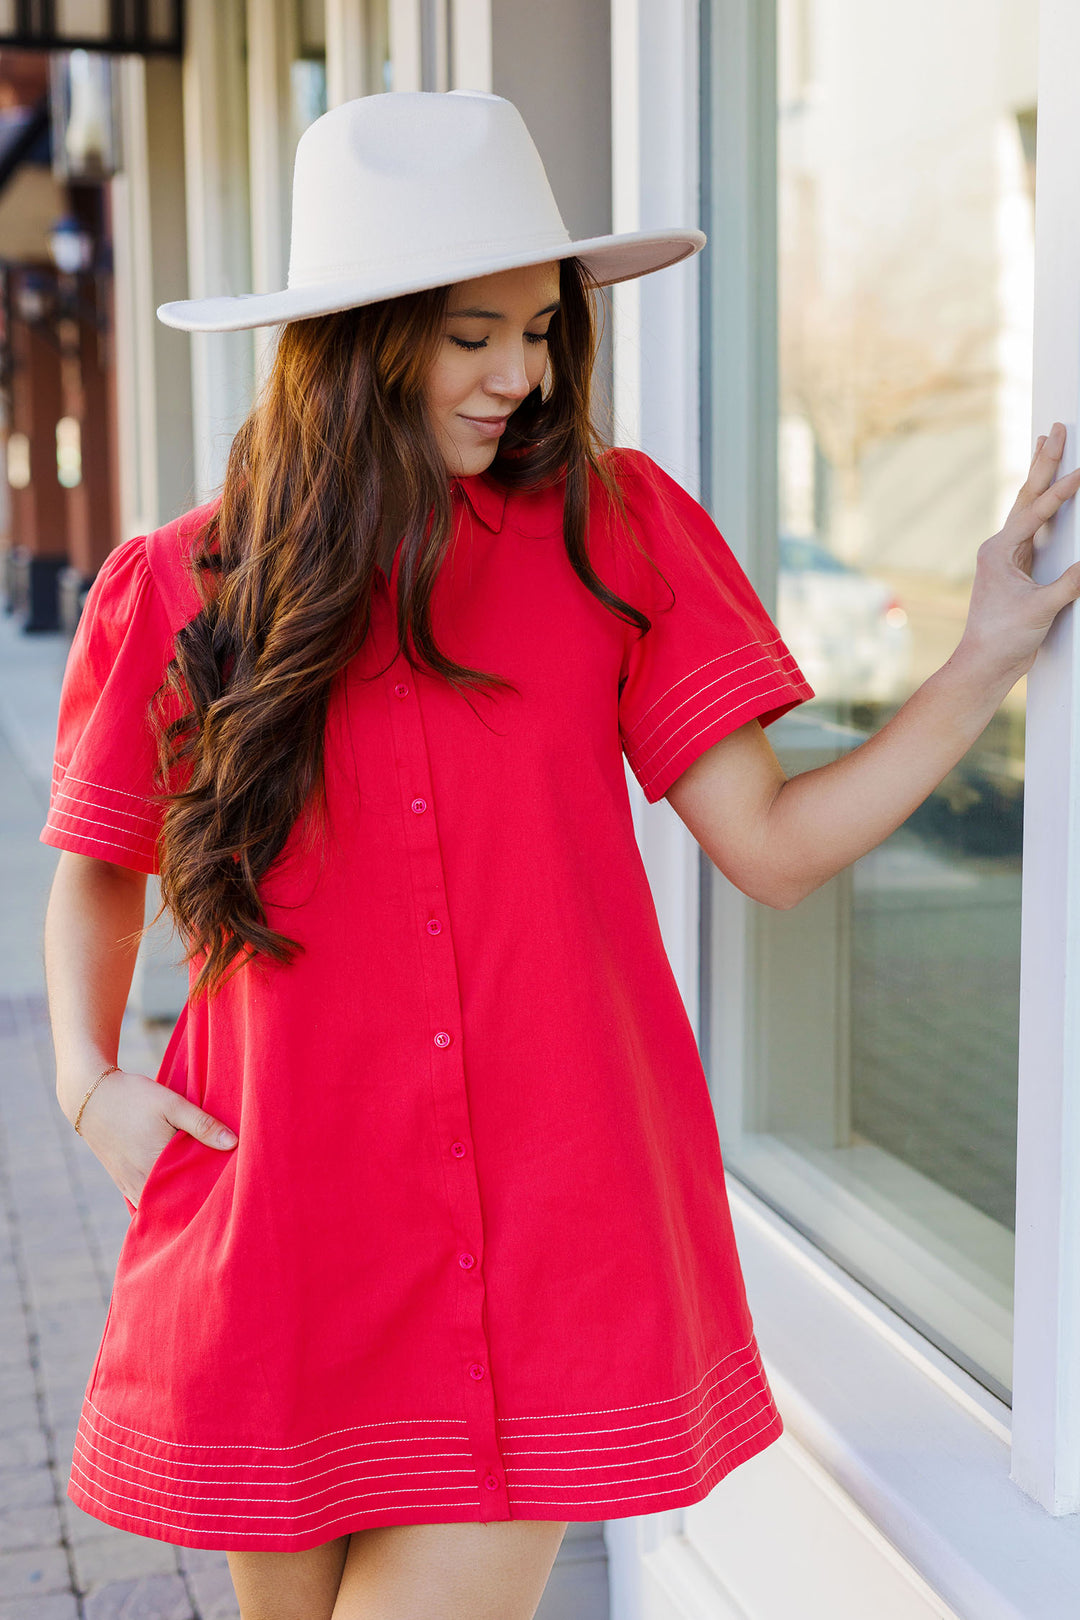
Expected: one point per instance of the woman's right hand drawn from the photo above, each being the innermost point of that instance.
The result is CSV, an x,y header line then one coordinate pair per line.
x,y
130,1118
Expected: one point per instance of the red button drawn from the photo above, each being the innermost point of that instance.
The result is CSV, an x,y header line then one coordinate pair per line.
x,y
466,1261
458,1149
491,1482
434,925
419,805
442,1038
476,1370
401,689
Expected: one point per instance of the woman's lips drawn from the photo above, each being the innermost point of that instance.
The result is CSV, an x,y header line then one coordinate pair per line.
x,y
491,430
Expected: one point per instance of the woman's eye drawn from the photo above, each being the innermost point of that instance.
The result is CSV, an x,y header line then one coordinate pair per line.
x,y
462,343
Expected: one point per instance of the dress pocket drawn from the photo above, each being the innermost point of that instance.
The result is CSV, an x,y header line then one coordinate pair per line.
x,y
180,1181
165,1077
165,1154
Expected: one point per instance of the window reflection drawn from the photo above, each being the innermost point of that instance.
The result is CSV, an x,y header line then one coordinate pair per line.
x,y
882,1108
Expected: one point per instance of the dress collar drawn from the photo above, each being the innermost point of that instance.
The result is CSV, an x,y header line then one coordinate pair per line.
x,y
487,499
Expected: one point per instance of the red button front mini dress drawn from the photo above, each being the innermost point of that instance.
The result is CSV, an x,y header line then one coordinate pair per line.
x,y
471,1258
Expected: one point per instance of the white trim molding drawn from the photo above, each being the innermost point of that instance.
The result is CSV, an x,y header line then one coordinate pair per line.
x,y
273,41
1046,1349
218,219
918,1446
470,45
626,216
405,36
347,66
655,352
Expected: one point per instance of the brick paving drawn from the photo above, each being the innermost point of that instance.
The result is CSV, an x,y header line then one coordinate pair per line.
x,y
62,1221
61,1224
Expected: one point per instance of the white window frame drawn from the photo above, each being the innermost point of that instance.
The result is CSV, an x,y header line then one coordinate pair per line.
x,y
982,1501
1046,1343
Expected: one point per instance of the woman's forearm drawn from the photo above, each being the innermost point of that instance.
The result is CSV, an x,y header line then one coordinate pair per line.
x,y
824,819
94,911
821,821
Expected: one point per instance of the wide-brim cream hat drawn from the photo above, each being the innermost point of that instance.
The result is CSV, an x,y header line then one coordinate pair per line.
x,y
420,188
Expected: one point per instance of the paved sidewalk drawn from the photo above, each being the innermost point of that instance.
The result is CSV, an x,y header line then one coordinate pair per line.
x,y
62,1221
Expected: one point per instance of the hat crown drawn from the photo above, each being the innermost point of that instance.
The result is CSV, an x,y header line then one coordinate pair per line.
x,y
415,189
394,181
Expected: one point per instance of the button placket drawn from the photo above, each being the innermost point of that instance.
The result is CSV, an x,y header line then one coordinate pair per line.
x,y
445,1057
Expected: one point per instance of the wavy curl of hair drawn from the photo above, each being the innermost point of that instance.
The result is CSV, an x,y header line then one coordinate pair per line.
x,y
285,571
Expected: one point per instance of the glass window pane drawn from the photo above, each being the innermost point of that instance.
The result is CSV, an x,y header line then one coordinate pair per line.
x,y
880,1112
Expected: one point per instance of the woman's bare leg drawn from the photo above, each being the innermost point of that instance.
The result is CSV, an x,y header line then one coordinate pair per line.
x,y
289,1585
494,1571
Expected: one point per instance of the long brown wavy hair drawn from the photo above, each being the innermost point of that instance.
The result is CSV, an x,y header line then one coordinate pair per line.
x,y
285,570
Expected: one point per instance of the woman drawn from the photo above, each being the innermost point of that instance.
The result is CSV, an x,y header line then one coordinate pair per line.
x,y
430,1252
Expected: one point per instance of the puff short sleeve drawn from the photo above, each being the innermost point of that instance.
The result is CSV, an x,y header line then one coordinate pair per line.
x,y
713,659
103,800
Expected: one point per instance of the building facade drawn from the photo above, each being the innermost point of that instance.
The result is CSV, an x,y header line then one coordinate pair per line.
x,y
850,377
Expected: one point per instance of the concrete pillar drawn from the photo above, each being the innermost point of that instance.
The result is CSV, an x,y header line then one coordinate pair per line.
x,y
153,362
153,380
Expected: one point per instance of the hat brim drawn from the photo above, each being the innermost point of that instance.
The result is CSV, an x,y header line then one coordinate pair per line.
x,y
608,259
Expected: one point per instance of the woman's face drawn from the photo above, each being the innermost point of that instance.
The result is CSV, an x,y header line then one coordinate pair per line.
x,y
493,354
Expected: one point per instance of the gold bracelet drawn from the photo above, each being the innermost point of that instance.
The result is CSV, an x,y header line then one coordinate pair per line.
x,y
114,1068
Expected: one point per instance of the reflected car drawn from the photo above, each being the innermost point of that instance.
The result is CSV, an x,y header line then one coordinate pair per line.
x,y
979,807
848,632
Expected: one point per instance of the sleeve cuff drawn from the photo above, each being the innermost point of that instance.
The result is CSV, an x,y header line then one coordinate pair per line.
x,y
665,743
89,818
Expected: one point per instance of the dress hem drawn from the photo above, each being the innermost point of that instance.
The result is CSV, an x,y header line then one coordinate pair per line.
x,y
565,1510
